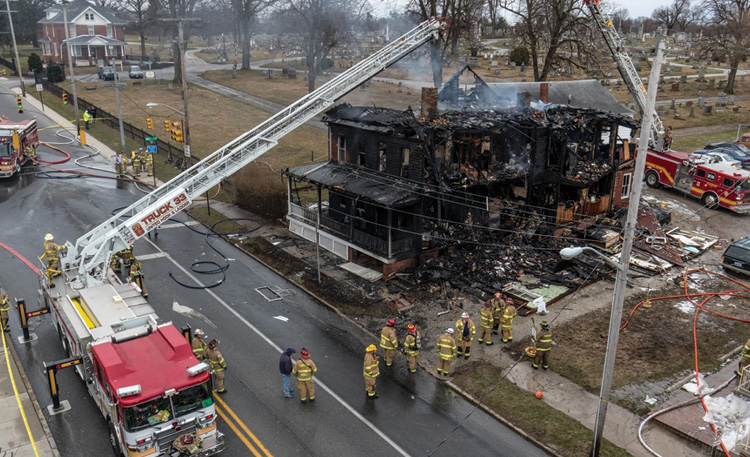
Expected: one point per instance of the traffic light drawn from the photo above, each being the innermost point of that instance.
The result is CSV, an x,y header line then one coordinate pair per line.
x,y
167,126
19,102
177,131
149,123
65,98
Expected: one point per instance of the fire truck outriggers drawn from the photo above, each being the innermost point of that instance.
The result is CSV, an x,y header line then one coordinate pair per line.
x,y
15,139
715,184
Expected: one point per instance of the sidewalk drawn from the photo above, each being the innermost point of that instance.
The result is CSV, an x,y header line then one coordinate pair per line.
x,y
14,438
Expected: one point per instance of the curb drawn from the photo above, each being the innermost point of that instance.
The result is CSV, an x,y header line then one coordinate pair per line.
x,y
32,397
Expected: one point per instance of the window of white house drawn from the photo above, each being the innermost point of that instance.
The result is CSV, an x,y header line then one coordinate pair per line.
x,y
91,30
72,30
109,31
89,16
342,149
626,184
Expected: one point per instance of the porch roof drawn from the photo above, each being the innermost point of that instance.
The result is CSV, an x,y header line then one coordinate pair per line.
x,y
365,184
94,40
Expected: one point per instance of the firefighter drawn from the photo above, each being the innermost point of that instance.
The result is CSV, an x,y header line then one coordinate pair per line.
x,y
149,164
114,262
199,345
447,350
136,274
218,365
187,444
498,306
4,308
543,346
371,370
412,344
30,152
668,138
51,250
487,321
389,341
304,370
507,321
135,161
465,331
120,165
142,160
745,359
127,256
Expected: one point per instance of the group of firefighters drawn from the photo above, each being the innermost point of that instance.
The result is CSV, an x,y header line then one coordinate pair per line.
x,y
140,161
209,353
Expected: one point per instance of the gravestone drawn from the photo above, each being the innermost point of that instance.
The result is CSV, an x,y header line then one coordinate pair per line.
x,y
742,78
692,111
512,65
493,63
707,110
399,87
711,83
730,100
722,83
701,102
675,88
736,109
702,74
672,104
722,99
683,79
689,103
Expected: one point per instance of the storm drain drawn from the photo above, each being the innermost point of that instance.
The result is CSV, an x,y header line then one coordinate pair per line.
x,y
268,293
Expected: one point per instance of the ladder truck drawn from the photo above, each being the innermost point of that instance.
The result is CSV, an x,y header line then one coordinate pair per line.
x,y
142,373
627,70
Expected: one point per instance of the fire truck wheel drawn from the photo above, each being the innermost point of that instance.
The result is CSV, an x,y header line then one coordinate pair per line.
x,y
652,179
710,200
113,440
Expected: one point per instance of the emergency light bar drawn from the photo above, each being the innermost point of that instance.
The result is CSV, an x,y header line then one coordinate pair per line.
x,y
129,391
195,370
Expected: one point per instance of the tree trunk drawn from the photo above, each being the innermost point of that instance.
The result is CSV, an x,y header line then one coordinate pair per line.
x,y
732,76
245,45
142,34
310,63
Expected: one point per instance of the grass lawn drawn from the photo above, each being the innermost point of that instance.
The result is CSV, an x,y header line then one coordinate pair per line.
x,y
691,143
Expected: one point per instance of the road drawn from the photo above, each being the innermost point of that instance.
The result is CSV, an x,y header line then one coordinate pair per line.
x,y
415,415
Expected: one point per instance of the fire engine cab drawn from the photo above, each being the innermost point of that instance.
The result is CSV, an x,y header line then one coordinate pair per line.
x,y
15,136
715,184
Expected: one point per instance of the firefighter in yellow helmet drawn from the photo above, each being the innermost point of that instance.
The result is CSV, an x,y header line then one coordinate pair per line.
x,y
199,345
543,346
465,331
187,444
4,309
304,370
389,341
446,350
498,306
745,359
487,321
506,322
51,250
412,344
371,370
218,365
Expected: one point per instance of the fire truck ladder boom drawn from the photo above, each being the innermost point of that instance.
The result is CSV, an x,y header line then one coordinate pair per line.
x,y
90,254
625,66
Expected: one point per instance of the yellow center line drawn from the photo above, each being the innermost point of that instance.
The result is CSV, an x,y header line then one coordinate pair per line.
x,y
244,427
237,431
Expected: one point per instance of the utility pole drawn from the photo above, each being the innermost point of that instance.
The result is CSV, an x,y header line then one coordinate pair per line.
x,y
182,46
629,234
119,111
72,75
15,50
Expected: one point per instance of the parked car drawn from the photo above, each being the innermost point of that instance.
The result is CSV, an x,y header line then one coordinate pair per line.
x,y
737,256
716,156
135,72
737,150
107,73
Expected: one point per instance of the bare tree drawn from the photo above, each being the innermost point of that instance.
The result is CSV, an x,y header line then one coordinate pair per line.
x,y
323,24
178,9
676,14
557,33
142,13
25,20
246,13
727,33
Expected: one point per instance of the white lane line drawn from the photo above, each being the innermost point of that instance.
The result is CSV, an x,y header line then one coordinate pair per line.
x,y
157,255
279,350
178,225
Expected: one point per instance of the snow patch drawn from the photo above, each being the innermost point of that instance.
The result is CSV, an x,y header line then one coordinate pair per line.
x,y
693,388
685,306
730,414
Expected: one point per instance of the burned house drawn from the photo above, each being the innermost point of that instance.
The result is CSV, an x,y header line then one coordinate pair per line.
x,y
401,186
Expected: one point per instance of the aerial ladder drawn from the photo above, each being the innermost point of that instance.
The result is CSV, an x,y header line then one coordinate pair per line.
x,y
627,69
85,262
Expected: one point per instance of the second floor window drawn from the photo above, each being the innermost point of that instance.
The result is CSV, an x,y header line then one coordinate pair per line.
x,y
91,30
72,30
109,31
342,149
382,156
404,162
89,16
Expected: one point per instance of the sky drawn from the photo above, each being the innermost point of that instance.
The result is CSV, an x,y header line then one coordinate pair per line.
x,y
636,8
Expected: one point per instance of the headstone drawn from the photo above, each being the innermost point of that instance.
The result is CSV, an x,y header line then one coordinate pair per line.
x,y
493,63
722,99
683,79
689,103
692,111
512,65
742,78
661,88
707,110
711,83
736,109
730,100
675,88
399,87
701,102
672,104
702,74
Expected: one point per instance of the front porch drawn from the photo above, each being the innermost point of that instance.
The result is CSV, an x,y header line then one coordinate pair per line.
x,y
94,50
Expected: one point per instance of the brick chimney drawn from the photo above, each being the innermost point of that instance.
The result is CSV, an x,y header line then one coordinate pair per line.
x,y
429,103
544,92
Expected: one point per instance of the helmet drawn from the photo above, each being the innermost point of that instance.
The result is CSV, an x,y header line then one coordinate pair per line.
x,y
48,237
450,330
545,325
186,439
213,343
411,328
465,315
390,322
304,353
140,149
199,332
487,304
498,295
371,348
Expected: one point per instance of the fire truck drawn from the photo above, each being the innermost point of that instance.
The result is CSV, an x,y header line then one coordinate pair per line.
x,y
715,184
15,136
142,373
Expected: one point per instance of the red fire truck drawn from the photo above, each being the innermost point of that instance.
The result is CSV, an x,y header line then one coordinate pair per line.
x,y
15,136
715,184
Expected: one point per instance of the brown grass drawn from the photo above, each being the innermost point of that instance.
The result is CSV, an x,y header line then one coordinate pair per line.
x,y
261,191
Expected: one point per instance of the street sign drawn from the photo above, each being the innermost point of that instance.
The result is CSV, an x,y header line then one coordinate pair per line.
x,y
187,150
39,88
151,138
151,149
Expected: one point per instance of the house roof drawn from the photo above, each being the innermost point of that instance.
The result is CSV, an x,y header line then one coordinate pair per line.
x,y
367,185
97,40
75,9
